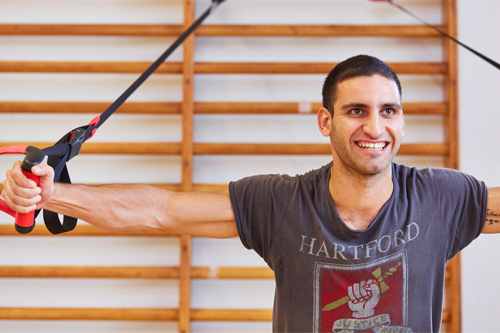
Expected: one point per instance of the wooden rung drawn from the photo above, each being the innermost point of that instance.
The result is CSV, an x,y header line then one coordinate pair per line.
x,y
437,149
141,314
88,314
220,30
202,68
318,30
423,108
86,67
308,68
122,272
91,29
89,107
231,273
163,148
231,315
420,108
134,272
124,314
127,148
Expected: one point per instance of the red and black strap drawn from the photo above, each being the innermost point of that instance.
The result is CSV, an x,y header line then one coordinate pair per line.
x,y
70,144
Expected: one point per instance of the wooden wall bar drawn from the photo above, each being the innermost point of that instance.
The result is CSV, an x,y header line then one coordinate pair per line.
x,y
218,30
162,148
415,108
188,108
187,166
202,68
453,295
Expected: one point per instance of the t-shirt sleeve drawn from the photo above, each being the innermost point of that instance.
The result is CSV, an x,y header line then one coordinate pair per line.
x,y
260,204
462,200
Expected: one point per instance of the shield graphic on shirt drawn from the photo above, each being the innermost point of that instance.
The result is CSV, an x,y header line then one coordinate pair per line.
x,y
365,298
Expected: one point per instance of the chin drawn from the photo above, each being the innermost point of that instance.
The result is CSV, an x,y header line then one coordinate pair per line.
x,y
374,170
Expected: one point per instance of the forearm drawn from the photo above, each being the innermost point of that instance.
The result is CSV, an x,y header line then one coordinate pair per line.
x,y
492,223
136,208
113,207
129,208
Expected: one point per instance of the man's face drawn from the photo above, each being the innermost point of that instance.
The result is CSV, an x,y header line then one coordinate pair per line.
x,y
367,125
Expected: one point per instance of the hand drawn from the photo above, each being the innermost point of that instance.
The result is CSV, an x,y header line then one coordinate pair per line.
x,y
363,297
22,194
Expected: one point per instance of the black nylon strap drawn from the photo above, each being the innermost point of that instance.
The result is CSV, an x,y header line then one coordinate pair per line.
x,y
58,155
126,94
51,219
482,56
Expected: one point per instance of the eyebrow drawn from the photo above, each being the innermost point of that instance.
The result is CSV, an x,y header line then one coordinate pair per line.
x,y
354,105
391,105
365,106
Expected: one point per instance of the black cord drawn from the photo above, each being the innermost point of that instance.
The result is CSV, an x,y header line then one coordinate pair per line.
x,y
482,56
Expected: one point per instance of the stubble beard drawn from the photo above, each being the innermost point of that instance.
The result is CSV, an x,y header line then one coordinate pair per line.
x,y
347,160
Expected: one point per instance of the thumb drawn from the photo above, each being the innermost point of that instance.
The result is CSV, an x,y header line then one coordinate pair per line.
x,y
42,170
46,181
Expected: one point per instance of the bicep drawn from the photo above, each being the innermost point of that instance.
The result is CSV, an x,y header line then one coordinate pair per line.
x,y
202,214
492,223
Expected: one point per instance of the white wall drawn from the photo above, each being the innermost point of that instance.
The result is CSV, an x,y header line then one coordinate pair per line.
x,y
480,154
478,93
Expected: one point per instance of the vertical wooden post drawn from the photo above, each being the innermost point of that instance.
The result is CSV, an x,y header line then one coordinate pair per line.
x,y
453,291
451,84
187,166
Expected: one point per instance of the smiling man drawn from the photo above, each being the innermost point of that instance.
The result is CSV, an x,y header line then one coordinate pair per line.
x,y
364,121
359,244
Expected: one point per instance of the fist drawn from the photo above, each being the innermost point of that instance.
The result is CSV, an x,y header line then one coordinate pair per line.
x,y
363,297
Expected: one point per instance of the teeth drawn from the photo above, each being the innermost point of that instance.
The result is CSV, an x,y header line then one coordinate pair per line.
x,y
376,146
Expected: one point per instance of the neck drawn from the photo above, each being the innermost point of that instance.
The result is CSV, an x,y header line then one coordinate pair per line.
x,y
359,198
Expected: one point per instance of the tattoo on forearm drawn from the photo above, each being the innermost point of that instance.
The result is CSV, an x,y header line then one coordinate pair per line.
x,y
492,217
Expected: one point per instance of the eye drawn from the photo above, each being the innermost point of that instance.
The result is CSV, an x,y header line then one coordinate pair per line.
x,y
356,112
389,112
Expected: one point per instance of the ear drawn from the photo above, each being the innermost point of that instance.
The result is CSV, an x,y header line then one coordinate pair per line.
x,y
324,121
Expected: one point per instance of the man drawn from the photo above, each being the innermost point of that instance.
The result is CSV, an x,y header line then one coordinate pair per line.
x,y
360,244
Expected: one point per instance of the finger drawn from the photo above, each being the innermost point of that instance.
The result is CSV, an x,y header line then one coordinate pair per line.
x,y
46,181
16,196
42,170
15,175
18,188
19,192
356,289
22,205
362,290
351,295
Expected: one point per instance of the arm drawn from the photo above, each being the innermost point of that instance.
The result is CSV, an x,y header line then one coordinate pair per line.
x,y
492,223
123,207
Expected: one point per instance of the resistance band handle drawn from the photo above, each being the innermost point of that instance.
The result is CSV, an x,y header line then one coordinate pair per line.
x,y
34,156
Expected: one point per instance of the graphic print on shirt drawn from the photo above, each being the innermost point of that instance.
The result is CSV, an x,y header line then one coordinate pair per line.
x,y
370,297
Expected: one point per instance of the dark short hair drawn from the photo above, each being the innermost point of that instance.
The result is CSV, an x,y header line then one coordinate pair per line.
x,y
360,65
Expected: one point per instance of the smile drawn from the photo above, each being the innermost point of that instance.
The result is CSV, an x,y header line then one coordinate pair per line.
x,y
372,146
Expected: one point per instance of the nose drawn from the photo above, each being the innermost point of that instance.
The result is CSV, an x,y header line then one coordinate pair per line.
x,y
373,126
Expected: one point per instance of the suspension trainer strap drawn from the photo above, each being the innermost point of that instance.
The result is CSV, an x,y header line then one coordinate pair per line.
x,y
70,144
480,55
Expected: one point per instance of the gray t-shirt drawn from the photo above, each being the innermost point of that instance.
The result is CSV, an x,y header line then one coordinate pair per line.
x,y
332,278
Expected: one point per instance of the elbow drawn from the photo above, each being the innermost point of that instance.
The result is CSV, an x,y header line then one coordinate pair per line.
x,y
164,216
